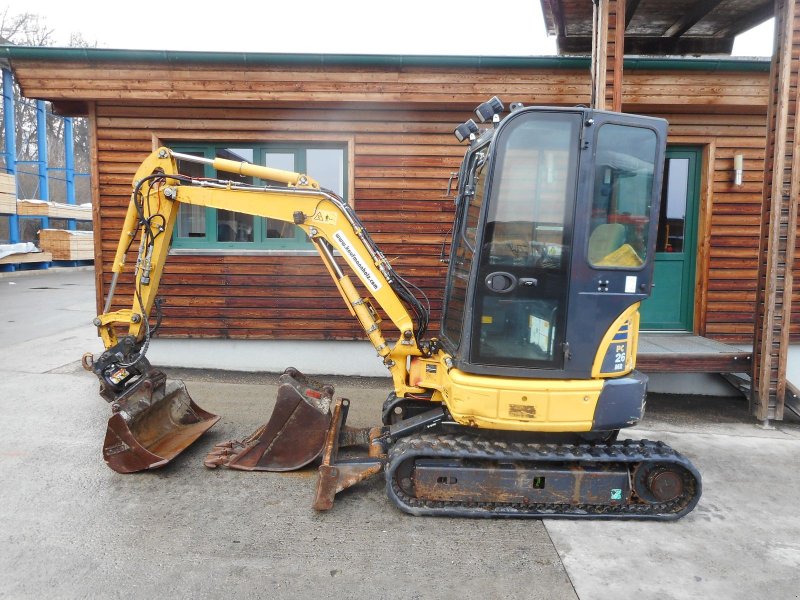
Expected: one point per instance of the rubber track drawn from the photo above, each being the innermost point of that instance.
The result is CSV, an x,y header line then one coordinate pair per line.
x,y
627,452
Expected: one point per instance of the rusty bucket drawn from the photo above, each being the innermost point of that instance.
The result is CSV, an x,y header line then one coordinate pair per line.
x,y
154,422
292,438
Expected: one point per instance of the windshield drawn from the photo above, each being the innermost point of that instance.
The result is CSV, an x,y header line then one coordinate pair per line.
x,y
535,183
521,285
623,194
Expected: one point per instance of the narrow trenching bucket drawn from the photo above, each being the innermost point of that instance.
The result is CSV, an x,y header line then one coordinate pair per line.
x,y
152,424
292,438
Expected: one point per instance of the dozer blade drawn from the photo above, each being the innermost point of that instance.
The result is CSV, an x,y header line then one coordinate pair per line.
x,y
292,438
154,421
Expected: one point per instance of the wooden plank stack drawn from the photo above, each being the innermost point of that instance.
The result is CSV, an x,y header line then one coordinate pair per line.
x,y
28,257
8,194
70,211
67,245
54,210
32,208
57,244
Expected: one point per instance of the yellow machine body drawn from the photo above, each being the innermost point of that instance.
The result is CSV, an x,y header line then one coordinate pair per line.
x,y
517,404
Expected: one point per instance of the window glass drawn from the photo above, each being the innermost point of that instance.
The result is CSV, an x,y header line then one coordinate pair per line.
x,y
326,165
232,226
478,187
623,194
525,225
521,285
191,219
200,227
469,214
280,160
672,223
272,227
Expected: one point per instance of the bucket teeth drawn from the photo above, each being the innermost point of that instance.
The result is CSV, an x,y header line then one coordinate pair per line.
x,y
223,453
294,435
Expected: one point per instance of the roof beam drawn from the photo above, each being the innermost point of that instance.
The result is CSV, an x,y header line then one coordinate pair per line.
x,y
630,9
70,108
750,20
653,45
553,17
688,20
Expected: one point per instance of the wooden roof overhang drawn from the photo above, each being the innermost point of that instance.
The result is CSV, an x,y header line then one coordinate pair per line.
x,y
71,78
659,27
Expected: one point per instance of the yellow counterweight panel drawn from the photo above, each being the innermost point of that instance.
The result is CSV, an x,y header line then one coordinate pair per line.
x,y
521,404
616,354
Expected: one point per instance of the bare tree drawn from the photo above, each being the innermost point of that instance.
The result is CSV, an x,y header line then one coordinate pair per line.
x,y
25,29
30,29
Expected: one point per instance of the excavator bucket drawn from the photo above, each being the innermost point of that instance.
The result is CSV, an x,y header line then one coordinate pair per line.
x,y
154,422
292,438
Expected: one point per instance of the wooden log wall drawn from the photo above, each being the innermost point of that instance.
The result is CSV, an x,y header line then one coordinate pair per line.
x,y
403,160
729,216
399,122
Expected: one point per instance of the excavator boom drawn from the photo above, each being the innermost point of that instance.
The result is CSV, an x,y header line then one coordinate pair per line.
x,y
137,439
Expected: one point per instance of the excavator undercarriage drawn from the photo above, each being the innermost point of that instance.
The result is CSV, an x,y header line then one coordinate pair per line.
x,y
471,476
433,466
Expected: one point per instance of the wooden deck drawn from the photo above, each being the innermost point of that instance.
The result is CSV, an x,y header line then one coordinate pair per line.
x,y
687,353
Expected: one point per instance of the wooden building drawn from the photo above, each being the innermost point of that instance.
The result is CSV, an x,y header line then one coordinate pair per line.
x,y
380,129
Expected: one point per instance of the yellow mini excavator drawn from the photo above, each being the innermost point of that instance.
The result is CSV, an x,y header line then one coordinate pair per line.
x,y
514,410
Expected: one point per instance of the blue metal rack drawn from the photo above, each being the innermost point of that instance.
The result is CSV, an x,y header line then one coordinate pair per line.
x,y
43,168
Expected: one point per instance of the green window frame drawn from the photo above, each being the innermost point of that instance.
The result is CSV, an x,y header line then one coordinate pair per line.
x,y
283,154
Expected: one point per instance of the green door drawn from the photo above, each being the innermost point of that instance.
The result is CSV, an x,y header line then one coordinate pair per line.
x,y
671,305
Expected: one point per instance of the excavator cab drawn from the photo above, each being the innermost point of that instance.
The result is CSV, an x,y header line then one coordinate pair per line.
x,y
556,212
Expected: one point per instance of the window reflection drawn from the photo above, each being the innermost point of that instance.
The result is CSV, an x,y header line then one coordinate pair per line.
x,y
671,225
232,226
326,165
525,226
274,229
191,218
623,189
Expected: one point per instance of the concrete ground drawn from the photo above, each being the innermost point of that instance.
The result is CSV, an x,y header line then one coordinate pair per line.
x,y
70,527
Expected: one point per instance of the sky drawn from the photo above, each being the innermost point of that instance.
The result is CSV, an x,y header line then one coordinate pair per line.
x,y
442,27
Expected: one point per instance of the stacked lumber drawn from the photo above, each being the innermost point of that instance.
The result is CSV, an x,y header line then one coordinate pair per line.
x,y
33,208
8,194
67,245
26,257
55,210
81,212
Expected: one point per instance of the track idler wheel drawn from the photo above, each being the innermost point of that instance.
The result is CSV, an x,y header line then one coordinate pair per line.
x,y
659,483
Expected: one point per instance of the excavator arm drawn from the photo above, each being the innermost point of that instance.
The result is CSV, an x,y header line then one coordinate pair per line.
x,y
154,417
327,220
